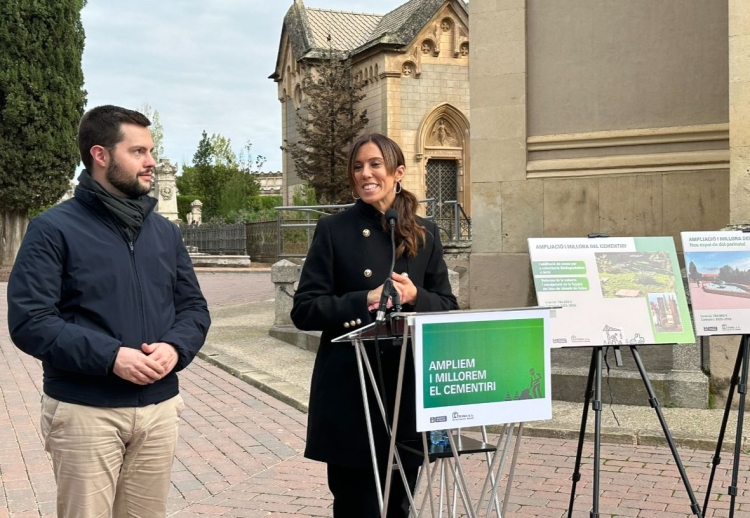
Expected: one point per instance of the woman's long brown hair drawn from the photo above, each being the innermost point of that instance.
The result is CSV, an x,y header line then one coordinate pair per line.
x,y
409,234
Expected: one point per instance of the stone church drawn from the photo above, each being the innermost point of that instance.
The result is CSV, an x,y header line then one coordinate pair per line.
x,y
414,62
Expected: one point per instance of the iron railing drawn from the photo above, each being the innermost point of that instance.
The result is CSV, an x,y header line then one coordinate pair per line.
x,y
291,234
296,224
457,225
262,240
216,239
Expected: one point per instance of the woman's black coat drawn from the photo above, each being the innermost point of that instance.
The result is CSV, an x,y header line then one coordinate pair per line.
x,y
349,256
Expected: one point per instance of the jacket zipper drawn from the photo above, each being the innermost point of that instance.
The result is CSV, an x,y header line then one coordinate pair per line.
x,y
112,225
140,300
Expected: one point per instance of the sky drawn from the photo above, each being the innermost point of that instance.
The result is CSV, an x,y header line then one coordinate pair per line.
x,y
202,65
711,262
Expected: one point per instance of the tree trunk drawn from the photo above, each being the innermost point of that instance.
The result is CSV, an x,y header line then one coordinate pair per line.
x,y
12,229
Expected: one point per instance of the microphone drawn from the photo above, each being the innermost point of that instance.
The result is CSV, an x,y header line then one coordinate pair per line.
x,y
391,217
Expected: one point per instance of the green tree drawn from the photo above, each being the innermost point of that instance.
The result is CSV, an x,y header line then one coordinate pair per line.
x,y
204,154
693,274
219,178
221,150
304,195
157,131
187,182
41,103
327,124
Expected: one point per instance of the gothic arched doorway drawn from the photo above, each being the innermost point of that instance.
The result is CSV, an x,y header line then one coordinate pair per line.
x,y
443,152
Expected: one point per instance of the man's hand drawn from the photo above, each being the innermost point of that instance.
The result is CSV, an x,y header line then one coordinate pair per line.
x,y
136,367
163,353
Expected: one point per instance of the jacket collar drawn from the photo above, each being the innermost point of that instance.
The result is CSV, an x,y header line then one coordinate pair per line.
x,y
92,201
369,213
128,225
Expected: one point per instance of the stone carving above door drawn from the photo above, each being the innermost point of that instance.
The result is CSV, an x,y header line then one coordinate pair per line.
x,y
443,134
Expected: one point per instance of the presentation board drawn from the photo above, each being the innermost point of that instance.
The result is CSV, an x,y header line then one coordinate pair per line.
x,y
611,291
718,269
482,368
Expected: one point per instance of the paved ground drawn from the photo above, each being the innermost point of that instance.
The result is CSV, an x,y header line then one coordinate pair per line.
x,y
721,301
240,450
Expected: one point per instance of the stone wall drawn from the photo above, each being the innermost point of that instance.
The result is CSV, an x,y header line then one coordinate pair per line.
x,y
595,117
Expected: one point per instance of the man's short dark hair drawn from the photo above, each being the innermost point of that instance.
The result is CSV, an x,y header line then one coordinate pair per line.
x,y
101,126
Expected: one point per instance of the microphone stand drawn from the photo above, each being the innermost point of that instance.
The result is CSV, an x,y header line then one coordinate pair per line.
x,y
388,292
395,297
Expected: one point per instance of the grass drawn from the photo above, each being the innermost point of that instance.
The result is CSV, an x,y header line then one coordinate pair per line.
x,y
658,283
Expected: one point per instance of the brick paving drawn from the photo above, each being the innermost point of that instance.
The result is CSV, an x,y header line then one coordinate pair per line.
x,y
223,289
239,453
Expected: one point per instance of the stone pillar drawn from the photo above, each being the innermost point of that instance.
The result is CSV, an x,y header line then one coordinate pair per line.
x,y
283,275
722,349
454,281
165,189
739,111
500,268
457,254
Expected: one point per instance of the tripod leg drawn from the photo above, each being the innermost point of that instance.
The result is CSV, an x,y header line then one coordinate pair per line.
x,y
511,473
742,389
597,404
694,507
359,351
577,468
720,441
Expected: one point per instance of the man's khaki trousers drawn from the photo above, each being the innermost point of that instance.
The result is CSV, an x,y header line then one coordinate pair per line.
x,y
111,461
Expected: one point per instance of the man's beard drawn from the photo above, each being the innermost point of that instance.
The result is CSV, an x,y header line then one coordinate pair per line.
x,y
123,182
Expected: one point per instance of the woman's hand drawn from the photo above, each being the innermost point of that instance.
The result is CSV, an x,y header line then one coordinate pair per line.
x,y
406,289
373,297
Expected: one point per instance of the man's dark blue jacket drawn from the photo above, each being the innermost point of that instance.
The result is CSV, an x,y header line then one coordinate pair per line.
x,y
80,290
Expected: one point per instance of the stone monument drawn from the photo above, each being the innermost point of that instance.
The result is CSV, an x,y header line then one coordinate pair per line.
x,y
194,217
164,189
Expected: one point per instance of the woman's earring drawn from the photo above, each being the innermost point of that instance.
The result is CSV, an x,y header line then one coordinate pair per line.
x,y
398,188
354,196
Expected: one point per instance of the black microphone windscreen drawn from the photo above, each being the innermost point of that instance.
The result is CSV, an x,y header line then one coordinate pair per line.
x,y
391,216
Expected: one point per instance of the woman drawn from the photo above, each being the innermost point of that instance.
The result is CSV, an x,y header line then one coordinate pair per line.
x,y
339,290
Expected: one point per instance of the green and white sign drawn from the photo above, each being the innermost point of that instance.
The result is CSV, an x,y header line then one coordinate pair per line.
x,y
482,368
718,269
611,291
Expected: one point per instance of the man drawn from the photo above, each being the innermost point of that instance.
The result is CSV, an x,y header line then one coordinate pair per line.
x,y
104,294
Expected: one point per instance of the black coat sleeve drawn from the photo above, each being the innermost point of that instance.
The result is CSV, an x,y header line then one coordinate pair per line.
x,y
192,319
436,293
316,307
35,324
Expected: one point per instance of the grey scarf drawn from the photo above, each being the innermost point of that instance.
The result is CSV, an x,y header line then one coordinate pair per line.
x,y
128,212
